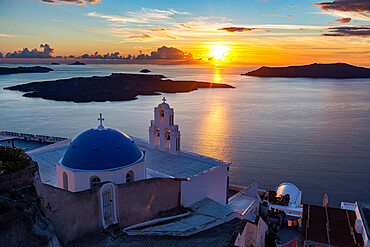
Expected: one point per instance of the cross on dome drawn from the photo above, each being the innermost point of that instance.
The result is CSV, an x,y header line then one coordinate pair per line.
x,y
164,100
101,119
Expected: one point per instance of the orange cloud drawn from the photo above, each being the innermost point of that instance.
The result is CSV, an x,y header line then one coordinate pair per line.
x,y
185,26
7,35
141,36
159,29
168,36
344,20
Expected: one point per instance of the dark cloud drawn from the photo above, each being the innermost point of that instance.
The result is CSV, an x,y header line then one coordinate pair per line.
x,y
96,55
170,53
162,53
25,53
235,29
354,31
50,1
346,5
79,2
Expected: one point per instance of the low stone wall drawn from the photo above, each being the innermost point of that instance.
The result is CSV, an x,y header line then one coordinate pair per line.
x,y
19,178
74,215
142,200
78,214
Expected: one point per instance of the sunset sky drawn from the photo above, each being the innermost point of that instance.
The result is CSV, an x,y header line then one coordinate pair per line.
x,y
238,31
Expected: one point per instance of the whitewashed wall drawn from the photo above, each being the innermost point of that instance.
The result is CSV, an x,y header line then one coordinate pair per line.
x,y
78,181
212,184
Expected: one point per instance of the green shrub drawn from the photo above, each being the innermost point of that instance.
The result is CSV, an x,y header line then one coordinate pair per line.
x,y
13,159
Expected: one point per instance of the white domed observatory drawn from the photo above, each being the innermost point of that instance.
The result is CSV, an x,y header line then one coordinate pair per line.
x,y
163,134
98,155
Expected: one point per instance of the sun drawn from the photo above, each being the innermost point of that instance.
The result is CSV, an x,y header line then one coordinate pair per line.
x,y
218,52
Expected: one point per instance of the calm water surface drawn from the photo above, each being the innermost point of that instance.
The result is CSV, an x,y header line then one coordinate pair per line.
x,y
314,133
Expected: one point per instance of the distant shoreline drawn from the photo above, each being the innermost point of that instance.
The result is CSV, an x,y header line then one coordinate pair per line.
x,y
63,61
116,87
335,71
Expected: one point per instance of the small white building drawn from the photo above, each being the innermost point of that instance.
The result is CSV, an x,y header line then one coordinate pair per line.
x,y
98,155
294,193
294,208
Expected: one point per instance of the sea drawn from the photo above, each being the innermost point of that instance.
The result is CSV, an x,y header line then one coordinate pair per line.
x,y
314,133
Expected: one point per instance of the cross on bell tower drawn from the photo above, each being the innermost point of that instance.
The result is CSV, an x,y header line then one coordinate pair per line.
x,y
101,119
164,100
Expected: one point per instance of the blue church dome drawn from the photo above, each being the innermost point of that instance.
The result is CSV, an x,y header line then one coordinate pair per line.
x,y
101,149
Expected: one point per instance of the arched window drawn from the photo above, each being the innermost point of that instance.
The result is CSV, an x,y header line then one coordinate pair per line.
x,y
94,181
130,177
65,181
161,114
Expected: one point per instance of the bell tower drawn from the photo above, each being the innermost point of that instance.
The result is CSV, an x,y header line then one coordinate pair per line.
x,y
163,134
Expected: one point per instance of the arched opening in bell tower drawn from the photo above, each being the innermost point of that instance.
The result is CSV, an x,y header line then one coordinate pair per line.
x,y
156,136
167,138
161,114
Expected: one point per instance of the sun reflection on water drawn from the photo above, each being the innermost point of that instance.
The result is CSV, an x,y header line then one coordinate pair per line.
x,y
216,75
213,129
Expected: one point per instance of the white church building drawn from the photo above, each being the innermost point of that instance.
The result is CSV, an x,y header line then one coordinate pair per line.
x,y
103,154
105,177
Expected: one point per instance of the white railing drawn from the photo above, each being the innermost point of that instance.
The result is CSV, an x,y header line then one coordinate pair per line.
x,y
32,137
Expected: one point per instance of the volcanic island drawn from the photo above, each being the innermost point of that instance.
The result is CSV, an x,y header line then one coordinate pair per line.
x,y
116,87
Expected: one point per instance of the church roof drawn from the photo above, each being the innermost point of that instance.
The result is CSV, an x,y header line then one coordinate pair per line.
x,y
101,149
181,165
